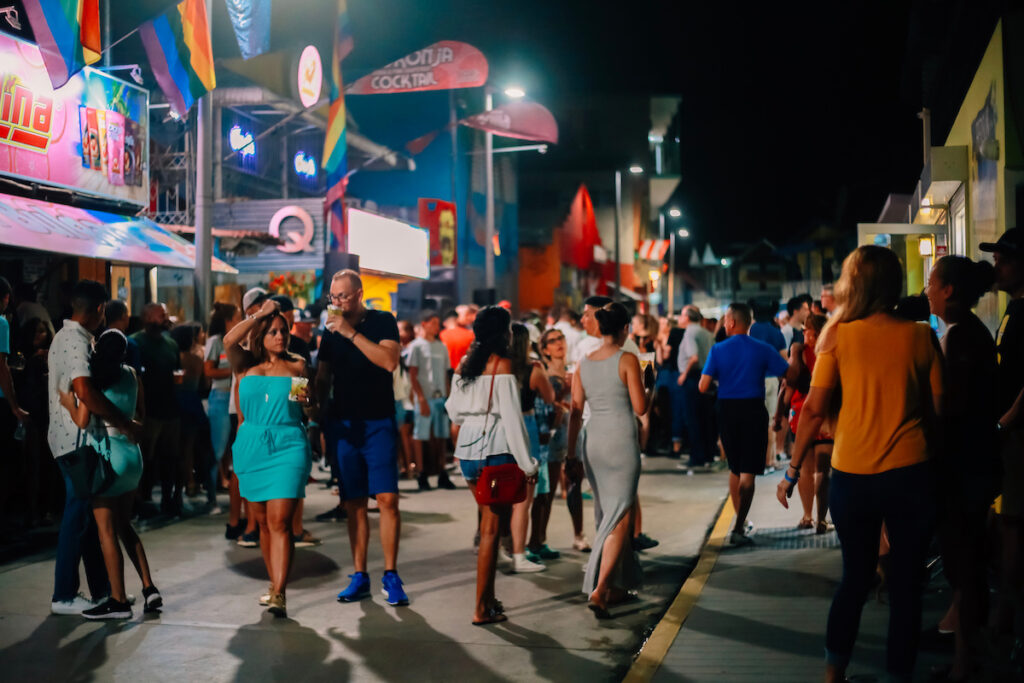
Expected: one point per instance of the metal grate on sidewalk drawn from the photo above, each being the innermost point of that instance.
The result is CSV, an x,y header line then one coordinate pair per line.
x,y
789,538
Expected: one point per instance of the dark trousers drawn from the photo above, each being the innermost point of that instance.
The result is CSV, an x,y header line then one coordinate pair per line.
x,y
676,401
78,540
904,499
697,409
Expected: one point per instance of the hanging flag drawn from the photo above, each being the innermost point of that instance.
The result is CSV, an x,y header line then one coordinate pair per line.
x,y
251,20
441,66
68,35
335,143
178,46
523,120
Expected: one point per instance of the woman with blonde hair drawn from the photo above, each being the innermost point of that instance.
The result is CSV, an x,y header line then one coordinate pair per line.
x,y
889,373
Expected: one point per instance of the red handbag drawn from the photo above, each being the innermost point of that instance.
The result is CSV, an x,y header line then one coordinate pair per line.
x,y
499,484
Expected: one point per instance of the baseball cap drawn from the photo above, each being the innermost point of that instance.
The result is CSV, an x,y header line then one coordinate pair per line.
x,y
284,302
1010,242
304,316
256,295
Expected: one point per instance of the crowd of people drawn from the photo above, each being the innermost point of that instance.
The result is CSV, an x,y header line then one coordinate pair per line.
x,y
890,434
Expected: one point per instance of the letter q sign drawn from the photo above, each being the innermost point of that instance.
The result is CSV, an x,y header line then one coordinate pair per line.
x,y
294,241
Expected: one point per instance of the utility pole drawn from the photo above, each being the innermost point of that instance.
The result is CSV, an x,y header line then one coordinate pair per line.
x,y
204,198
618,210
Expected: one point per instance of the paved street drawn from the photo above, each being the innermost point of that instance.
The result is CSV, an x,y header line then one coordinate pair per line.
x,y
213,630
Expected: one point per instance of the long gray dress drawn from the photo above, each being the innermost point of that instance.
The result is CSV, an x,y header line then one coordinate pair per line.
x,y
612,463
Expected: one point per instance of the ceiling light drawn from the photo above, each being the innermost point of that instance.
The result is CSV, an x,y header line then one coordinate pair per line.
x,y
515,92
636,169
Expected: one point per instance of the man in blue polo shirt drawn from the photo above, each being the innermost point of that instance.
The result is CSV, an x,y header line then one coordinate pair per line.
x,y
741,364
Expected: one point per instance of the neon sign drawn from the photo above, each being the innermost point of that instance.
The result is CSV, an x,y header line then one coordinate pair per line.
x,y
310,76
304,165
242,141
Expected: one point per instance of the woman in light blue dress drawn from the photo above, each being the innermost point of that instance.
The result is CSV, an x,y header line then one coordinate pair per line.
x,y
113,507
271,451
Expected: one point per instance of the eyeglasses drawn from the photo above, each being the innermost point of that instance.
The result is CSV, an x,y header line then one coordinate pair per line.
x,y
551,340
343,296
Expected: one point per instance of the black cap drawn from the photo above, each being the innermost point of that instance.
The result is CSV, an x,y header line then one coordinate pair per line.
x,y
1010,242
284,302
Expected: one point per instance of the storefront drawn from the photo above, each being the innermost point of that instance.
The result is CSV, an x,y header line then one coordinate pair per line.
x,y
394,261
74,172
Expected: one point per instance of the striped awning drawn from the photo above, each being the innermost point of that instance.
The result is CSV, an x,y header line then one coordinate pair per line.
x,y
653,250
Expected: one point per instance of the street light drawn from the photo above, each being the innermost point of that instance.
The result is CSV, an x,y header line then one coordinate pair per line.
x,y
636,169
515,92
684,233
675,213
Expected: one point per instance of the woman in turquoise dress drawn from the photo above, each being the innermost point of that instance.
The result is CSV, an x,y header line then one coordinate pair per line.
x,y
113,509
271,451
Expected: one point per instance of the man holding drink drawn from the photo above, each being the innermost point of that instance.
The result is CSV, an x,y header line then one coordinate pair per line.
x,y
357,356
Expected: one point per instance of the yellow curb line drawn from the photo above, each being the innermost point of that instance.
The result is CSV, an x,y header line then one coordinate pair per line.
x,y
654,650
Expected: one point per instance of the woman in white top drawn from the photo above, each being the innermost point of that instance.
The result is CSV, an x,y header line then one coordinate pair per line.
x,y
484,407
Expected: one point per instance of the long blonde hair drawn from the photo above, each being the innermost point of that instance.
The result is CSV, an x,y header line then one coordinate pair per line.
x,y
871,282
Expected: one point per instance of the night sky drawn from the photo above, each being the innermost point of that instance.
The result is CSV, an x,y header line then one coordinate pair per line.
x,y
794,115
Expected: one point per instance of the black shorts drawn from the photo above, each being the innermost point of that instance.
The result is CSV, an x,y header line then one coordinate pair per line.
x,y
743,425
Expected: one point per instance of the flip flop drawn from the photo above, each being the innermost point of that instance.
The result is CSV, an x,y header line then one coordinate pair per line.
x,y
805,524
492,618
599,612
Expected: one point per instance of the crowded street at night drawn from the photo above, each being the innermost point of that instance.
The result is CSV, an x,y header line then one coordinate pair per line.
x,y
539,341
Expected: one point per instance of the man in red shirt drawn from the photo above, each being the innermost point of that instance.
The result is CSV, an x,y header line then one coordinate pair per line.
x,y
458,338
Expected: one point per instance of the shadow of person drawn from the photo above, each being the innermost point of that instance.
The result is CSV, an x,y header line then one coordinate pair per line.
x,y
400,645
552,661
47,654
309,568
275,649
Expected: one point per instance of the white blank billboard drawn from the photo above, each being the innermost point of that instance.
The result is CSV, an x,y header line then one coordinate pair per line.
x,y
388,246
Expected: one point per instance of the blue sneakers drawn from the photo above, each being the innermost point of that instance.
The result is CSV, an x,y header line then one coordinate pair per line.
x,y
358,588
394,594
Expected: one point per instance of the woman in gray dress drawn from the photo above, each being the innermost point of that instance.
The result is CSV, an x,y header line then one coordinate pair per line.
x,y
609,383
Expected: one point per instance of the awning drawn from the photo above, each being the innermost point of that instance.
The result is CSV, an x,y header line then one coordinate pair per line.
x,y
63,229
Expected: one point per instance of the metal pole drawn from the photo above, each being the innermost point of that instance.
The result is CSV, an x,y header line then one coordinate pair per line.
x,y
108,58
218,154
618,210
453,126
284,167
489,235
204,199
672,274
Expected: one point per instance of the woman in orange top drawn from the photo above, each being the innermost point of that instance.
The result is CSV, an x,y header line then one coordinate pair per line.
x,y
889,373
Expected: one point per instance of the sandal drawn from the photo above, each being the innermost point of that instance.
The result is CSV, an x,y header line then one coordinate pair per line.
x,y
823,528
493,617
805,524
600,612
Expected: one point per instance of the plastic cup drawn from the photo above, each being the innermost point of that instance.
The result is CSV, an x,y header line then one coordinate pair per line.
x,y
298,384
179,376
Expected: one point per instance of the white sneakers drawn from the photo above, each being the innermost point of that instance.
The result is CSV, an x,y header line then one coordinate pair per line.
x,y
581,544
75,606
521,565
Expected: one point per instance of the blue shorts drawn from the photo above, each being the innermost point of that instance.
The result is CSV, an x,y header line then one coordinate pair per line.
x,y
436,425
400,411
367,456
537,453
472,469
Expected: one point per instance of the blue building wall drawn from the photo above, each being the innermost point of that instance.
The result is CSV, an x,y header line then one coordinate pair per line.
x,y
395,120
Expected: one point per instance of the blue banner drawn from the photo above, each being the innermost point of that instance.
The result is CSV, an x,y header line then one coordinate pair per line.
x,y
251,19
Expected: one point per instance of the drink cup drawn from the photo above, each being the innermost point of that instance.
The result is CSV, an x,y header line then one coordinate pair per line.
x,y
298,385
179,376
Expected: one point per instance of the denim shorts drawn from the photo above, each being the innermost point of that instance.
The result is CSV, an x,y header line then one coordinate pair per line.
x,y
435,425
472,469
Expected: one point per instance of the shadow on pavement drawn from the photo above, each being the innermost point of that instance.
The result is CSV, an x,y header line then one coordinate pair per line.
x,y
283,650
74,660
761,580
310,568
552,662
416,651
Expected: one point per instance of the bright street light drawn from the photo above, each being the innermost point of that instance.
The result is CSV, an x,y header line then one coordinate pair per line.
x,y
636,169
515,92
684,233
675,213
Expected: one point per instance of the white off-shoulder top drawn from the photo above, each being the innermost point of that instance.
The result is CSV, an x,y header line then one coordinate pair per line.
x,y
481,433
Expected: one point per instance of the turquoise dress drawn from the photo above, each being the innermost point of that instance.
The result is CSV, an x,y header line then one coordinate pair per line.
x,y
271,452
124,456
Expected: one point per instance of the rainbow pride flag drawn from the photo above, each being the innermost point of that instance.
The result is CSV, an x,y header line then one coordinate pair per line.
x,y
334,140
68,35
178,46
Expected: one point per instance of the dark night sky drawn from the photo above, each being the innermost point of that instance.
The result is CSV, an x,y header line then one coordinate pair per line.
x,y
794,114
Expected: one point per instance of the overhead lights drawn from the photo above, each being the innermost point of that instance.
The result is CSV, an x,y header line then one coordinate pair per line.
x,y
684,233
515,92
675,213
636,169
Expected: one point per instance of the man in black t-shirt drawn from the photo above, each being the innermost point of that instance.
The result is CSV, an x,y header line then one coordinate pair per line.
x,y
357,357
1008,254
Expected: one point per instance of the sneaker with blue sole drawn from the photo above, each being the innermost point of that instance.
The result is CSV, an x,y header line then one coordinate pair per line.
x,y
393,591
358,588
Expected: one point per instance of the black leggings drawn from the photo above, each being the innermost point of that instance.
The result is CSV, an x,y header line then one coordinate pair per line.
x,y
904,499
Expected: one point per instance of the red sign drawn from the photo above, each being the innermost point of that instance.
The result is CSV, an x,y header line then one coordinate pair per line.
x,y
441,66
24,121
523,120
438,216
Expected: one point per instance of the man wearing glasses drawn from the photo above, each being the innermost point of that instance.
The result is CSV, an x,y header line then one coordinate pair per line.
x,y
358,355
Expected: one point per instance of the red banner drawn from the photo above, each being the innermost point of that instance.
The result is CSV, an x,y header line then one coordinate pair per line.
x,y
441,66
523,120
438,216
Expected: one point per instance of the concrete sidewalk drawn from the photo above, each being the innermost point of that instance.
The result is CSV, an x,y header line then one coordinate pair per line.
x,y
761,614
212,628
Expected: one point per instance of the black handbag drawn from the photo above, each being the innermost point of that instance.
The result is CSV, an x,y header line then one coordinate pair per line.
x,y
90,473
